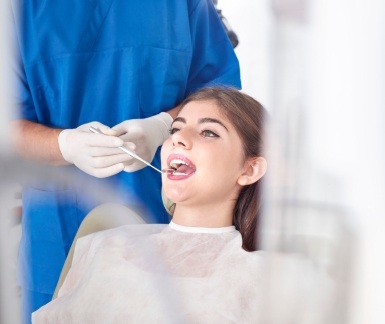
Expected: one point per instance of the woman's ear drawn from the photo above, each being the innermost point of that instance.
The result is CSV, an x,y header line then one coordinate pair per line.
x,y
254,170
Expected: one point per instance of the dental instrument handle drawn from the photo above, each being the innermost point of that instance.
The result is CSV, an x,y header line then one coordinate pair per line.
x,y
94,130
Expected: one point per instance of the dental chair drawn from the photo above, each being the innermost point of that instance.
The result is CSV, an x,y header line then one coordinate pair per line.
x,y
103,217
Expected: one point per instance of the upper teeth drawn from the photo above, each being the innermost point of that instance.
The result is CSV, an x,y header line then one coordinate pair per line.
x,y
177,162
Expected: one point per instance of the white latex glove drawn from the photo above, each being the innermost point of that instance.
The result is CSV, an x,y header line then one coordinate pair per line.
x,y
95,154
147,134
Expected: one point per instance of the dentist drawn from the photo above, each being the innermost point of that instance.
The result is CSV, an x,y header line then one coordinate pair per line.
x,y
121,66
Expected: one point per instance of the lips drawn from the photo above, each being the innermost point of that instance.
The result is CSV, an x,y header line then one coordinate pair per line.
x,y
181,165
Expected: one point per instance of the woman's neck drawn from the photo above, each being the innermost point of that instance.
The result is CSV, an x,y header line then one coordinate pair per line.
x,y
202,216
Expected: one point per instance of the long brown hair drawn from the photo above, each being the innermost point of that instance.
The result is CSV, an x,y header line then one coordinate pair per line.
x,y
248,117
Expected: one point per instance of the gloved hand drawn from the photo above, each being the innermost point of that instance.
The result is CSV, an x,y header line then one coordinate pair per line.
x,y
147,134
95,154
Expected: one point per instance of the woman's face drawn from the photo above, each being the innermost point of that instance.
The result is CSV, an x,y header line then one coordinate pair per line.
x,y
207,152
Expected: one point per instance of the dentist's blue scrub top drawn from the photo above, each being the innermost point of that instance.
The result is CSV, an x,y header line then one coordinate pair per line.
x,y
106,61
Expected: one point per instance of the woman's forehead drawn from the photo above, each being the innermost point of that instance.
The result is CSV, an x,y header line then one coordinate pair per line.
x,y
202,108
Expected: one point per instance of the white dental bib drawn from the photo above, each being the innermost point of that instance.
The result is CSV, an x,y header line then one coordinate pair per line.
x,y
158,274
161,274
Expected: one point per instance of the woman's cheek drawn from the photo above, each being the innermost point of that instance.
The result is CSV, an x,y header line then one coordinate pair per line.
x,y
164,151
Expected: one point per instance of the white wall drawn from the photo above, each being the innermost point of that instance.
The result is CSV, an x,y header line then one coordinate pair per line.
x,y
251,21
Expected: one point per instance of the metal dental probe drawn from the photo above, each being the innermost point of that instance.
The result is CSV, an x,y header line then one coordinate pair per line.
x,y
135,156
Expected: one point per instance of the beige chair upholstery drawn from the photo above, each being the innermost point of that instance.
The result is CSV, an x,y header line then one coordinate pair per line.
x,y
103,217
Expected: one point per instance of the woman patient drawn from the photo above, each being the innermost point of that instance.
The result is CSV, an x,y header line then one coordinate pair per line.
x,y
203,267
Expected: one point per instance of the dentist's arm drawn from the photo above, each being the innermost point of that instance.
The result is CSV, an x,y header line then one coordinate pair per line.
x,y
95,154
36,142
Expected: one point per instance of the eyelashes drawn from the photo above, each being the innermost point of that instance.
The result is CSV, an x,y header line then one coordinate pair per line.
x,y
173,130
209,133
204,133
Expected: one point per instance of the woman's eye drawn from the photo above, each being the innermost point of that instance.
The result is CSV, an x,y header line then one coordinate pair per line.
x,y
173,130
209,133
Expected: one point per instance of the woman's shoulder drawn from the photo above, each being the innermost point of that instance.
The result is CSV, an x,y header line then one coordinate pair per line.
x,y
120,234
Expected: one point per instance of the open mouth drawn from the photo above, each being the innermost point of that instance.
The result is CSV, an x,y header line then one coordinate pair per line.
x,y
181,167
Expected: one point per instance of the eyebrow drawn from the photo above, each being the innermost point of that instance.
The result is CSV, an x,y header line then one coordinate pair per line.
x,y
201,121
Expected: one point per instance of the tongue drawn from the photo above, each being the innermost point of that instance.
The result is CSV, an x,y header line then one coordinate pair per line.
x,y
184,169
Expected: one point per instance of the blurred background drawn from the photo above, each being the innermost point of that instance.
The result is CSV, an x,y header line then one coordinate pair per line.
x,y
318,67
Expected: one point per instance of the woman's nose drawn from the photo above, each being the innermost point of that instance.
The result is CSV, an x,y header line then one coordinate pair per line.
x,y
181,138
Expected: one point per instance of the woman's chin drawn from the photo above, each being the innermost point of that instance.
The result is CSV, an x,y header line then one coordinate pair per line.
x,y
176,199
176,195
